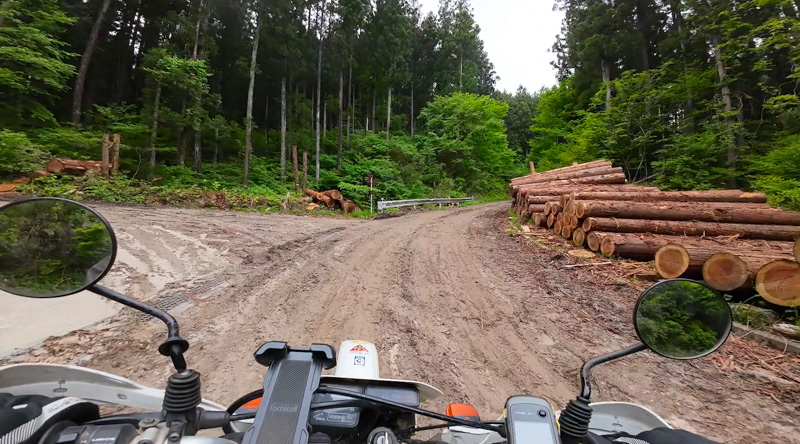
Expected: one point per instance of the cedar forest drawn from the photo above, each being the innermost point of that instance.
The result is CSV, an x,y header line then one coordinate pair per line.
x,y
210,95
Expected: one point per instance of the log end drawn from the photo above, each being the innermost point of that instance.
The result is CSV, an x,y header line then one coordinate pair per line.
x,y
578,237
580,209
566,231
779,283
608,246
588,224
672,261
538,219
593,241
557,227
551,220
574,222
725,272
6,187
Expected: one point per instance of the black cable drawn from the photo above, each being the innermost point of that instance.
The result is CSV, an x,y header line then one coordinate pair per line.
x,y
418,411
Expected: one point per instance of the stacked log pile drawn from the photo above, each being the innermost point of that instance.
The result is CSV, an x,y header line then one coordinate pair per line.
x,y
330,199
730,238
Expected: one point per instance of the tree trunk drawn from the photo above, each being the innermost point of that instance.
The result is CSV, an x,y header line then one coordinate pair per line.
x,y
389,114
248,145
607,82
374,121
154,128
83,69
182,136
216,145
294,169
779,282
341,119
319,85
266,127
744,213
461,70
324,121
412,106
198,161
283,129
600,171
692,228
716,41
305,169
349,99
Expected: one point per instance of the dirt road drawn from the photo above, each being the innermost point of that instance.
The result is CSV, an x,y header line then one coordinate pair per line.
x,y
448,297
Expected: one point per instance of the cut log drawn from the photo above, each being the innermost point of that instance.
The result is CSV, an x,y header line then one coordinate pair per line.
x,y
579,237
745,213
726,272
689,228
564,170
551,220
599,171
524,217
730,196
551,207
6,187
606,179
539,219
672,261
574,222
40,173
557,227
21,181
566,231
779,283
311,193
327,200
72,167
349,207
629,246
533,209
594,239
536,192
335,194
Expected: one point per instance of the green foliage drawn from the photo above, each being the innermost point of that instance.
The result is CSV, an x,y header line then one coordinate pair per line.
x,y
33,62
18,154
467,137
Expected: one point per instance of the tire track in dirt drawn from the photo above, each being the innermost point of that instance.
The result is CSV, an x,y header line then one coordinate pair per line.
x,y
447,296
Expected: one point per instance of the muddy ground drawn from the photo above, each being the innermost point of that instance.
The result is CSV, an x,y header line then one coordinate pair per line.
x,y
448,297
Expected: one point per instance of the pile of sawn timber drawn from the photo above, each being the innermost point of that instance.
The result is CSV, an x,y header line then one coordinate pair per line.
x,y
731,239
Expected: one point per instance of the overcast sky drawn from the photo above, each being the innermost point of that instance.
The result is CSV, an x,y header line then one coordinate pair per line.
x,y
518,35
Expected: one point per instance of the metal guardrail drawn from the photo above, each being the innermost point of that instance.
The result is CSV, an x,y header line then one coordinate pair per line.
x,y
386,204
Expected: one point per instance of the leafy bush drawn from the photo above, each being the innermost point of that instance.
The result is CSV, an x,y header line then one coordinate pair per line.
x,y
18,154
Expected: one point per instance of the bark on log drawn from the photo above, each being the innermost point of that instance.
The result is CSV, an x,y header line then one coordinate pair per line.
x,y
689,228
629,246
72,167
779,282
744,213
534,209
6,187
730,196
310,193
557,191
606,179
600,171
568,169
327,200
579,237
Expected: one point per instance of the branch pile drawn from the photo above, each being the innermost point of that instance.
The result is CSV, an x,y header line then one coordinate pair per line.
x,y
730,238
331,199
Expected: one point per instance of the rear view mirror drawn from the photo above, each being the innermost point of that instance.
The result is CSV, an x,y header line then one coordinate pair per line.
x,y
53,247
682,319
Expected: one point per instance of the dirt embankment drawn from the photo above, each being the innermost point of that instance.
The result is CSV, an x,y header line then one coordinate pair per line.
x,y
448,297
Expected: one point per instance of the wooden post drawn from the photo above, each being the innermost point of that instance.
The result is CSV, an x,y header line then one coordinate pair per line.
x,y
104,165
115,155
533,169
305,170
294,168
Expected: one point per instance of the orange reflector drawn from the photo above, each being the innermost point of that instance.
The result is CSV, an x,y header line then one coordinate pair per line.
x,y
463,411
253,404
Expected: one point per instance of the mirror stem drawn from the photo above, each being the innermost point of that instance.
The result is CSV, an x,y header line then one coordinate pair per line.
x,y
586,391
174,346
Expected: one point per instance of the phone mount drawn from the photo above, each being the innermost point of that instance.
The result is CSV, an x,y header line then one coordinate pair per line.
x,y
289,387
